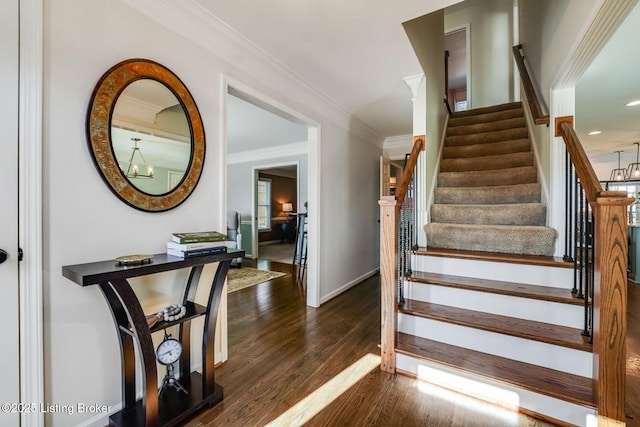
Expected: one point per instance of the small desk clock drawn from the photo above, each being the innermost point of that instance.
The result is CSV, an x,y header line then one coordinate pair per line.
x,y
168,353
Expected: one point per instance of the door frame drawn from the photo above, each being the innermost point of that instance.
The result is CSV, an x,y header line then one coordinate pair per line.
x,y
247,93
255,172
30,231
467,28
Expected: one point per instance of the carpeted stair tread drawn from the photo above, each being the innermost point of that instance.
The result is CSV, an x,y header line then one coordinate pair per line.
x,y
503,214
486,110
486,118
484,163
525,239
489,149
546,381
520,193
487,137
486,127
511,176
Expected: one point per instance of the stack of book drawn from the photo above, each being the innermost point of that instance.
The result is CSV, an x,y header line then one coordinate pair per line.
x,y
202,243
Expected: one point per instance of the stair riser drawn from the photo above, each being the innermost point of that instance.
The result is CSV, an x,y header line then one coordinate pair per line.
x,y
487,110
493,391
506,147
534,352
524,214
524,193
502,271
523,175
487,127
486,118
485,163
504,305
484,138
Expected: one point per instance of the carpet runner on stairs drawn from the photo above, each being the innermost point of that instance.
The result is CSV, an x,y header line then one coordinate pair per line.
x,y
488,196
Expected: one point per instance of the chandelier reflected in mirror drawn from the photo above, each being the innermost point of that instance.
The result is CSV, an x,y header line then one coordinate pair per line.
x,y
133,169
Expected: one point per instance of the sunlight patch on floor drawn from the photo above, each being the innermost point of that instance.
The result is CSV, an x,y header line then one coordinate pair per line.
x,y
311,405
440,384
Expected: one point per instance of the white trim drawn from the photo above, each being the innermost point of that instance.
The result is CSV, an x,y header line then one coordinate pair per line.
x,y
414,83
400,141
30,209
279,151
605,18
197,24
349,285
314,160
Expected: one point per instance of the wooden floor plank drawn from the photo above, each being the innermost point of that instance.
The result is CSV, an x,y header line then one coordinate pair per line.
x,y
541,260
527,329
538,379
544,293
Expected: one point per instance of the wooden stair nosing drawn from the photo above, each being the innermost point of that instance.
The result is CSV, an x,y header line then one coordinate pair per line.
x,y
543,293
546,381
540,260
562,336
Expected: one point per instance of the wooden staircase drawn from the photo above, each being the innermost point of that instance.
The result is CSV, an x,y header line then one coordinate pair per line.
x,y
523,338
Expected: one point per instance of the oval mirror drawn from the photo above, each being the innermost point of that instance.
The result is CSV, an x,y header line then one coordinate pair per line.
x,y
146,135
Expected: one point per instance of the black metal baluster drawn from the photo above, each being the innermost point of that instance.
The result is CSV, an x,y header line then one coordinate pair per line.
x,y
592,276
574,227
582,239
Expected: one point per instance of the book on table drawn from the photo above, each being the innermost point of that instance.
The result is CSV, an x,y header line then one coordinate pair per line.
x,y
191,246
198,237
197,252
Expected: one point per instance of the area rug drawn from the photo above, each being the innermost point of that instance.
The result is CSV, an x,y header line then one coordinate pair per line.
x,y
240,278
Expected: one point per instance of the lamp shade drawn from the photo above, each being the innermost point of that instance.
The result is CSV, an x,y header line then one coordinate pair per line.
x,y
287,207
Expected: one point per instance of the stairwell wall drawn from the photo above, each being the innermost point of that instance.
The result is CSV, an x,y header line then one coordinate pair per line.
x,y
491,26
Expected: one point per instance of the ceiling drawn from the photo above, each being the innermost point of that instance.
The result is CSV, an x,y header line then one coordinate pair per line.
x,y
354,51
609,83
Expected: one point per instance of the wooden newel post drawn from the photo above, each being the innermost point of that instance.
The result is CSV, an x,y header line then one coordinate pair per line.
x,y
610,304
388,275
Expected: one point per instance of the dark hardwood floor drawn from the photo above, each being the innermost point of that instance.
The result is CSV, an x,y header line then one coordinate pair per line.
x,y
281,351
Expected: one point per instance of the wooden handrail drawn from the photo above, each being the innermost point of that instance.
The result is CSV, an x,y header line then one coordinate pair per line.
x,y
401,191
532,98
446,81
610,279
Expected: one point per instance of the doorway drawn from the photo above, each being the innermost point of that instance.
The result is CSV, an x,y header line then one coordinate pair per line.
x,y
276,205
258,153
456,43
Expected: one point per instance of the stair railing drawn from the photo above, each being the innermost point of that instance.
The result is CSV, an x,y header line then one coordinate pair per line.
x,y
597,223
535,106
398,238
446,82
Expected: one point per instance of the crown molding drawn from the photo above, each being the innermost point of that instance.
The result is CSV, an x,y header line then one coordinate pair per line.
x,y
605,19
286,150
400,141
197,24
414,83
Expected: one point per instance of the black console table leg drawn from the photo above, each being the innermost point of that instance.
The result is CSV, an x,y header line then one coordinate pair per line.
x,y
126,345
140,329
210,320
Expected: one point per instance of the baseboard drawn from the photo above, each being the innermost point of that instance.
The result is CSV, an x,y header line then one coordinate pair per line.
x,y
348,286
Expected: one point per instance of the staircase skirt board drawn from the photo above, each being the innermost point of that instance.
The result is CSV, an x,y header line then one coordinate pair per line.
x,y
522,239
490,149
570,360
504,214
507,194
524,399
555,277
502,305
487,162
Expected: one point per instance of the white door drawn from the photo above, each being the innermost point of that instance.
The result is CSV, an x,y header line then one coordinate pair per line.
x,y
9,391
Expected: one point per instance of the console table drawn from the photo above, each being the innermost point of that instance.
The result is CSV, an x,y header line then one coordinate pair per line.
x,y
131,325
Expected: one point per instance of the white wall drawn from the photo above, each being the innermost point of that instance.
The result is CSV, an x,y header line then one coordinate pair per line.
x,y
549,29
491,25
84,221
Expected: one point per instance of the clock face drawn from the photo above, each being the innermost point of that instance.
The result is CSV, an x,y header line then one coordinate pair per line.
x,y
169,351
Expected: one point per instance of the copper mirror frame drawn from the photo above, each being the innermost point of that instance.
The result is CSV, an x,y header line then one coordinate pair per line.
x,y
99,116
